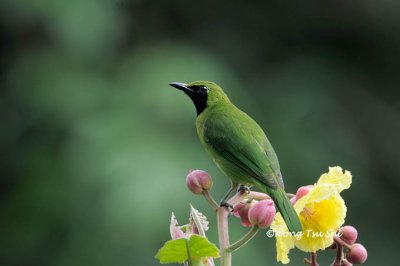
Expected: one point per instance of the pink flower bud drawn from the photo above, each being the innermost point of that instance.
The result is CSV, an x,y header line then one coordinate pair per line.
x,y
198,180
357,254
242,210
238,207
349,234
262,213
302,191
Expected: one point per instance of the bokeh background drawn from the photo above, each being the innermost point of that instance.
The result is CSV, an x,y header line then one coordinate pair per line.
x,y
95,146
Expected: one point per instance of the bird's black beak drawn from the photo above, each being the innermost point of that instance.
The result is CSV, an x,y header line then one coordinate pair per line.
x,y
181,86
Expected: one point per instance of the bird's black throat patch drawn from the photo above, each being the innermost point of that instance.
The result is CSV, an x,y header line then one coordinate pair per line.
x,y
199,96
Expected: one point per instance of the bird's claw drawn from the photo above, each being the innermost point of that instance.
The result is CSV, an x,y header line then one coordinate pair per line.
x,y
227,205
243,189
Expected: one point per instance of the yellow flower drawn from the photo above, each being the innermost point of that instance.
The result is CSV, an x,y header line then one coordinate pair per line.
x,y
321,211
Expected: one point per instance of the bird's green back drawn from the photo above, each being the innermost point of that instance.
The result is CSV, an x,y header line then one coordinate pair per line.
x,y
238,145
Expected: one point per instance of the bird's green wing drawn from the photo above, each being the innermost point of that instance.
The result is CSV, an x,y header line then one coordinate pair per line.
x,y
237,138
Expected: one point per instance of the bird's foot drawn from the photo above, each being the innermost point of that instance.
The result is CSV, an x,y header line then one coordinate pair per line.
x,y
227,205
243,189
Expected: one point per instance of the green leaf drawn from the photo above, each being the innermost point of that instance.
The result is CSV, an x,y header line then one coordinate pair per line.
x,y
201,247
175,251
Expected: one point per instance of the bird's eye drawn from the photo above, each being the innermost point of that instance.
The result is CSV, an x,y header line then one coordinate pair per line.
x,y
203,89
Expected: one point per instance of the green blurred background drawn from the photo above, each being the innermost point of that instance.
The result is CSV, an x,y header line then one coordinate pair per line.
x,y
95,146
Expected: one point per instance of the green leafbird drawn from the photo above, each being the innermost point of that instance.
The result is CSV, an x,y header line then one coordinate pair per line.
x,y
238,146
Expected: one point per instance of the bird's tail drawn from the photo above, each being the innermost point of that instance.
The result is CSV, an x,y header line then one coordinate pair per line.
x,y
283,205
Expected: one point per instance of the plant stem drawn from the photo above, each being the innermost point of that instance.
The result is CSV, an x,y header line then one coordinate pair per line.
x,y
340,242
210,199
257,195
223,236
188,253
238,197
339,256
314,259
246,238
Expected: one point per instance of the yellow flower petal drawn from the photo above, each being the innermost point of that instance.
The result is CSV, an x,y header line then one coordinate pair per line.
x,y
284,242
317,193
322,211
283,245
320,221
336,178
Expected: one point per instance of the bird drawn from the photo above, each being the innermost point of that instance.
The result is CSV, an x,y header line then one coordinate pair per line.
x,y
238,146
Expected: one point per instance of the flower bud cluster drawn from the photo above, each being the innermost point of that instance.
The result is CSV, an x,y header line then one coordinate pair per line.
x,y
357,253
255,213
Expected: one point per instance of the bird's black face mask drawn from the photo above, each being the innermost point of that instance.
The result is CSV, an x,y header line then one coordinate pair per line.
x,y
198,94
